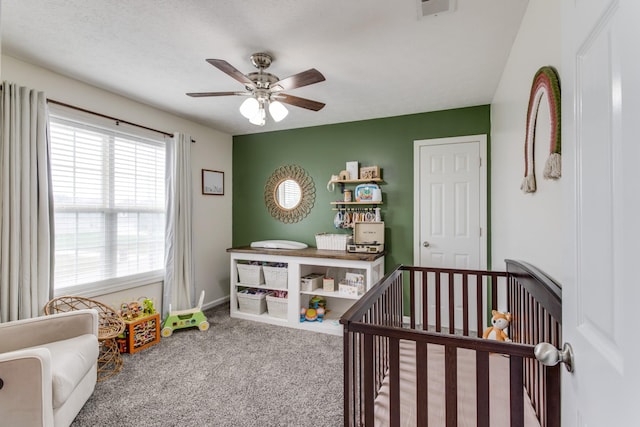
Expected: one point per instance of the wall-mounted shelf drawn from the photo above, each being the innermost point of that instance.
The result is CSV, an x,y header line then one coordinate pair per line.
x,y
356,203
356,181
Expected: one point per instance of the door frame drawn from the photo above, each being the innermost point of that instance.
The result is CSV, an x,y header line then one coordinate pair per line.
x,y
481,139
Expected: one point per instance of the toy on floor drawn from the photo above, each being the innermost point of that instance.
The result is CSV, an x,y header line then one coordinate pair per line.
x,y
185,319
499,321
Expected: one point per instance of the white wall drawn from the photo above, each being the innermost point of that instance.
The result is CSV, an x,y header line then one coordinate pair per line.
x,y
526,226
213,150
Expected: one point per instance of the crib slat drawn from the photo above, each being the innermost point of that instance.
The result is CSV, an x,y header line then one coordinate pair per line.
x,y
348,387
452,301
425,301
412,299
422,385
368,380
451,384
465,305
438,304
482,388
516,387
479,305
394,382
552,402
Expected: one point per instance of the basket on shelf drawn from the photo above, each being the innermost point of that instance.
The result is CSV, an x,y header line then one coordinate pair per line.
x,y
250,274
277,307
333,242
275,277
253,303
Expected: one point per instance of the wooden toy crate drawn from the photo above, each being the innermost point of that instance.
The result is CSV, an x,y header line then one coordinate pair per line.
x,y
140,333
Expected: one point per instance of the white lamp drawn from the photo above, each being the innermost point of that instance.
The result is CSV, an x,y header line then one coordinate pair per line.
x,y
277,110
258,118
250,108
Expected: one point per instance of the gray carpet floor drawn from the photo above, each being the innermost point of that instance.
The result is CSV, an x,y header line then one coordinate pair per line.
x,y
238,373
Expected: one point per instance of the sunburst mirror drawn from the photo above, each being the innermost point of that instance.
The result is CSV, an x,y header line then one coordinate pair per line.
x,y
289,194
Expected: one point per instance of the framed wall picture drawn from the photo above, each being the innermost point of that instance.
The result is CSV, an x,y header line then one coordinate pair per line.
x,y
212,182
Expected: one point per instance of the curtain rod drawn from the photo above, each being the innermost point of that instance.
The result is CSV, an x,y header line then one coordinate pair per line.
x,y
111,118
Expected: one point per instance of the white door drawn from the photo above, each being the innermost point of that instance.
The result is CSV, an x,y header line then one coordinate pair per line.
x,y
450,212
450,202
600,81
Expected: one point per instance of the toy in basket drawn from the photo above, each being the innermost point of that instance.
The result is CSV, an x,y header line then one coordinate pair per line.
x,y
185,319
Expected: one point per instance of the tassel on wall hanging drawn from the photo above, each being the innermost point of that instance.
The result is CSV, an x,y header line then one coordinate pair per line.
x,y
545,84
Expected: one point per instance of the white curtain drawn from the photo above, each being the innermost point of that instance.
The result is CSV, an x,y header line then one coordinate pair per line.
x,y
26,205
179,285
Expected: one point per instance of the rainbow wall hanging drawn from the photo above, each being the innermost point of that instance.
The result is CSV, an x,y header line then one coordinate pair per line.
x,y
545,84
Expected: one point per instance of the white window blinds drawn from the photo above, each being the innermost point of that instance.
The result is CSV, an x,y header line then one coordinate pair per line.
x,y
109,201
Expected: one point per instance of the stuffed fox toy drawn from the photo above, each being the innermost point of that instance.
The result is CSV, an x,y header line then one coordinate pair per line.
x,y
499,321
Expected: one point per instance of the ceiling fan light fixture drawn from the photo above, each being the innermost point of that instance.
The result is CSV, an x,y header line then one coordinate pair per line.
x,y
259,118
277,110
250,108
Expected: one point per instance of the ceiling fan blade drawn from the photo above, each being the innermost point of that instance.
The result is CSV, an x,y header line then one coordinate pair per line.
x,y
229,69
201,94
304,78
300,102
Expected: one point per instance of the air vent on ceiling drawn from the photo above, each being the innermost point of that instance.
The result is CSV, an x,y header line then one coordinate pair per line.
x,y
435,7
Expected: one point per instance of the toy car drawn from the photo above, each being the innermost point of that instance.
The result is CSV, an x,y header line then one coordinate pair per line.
x,y
185,319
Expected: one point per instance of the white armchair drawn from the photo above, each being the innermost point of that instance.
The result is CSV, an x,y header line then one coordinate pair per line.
x,y
48,368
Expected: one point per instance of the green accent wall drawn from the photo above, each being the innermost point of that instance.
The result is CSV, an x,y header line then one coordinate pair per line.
x,y
323,151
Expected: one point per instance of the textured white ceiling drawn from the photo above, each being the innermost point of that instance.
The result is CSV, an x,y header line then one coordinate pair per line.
x,y
378,57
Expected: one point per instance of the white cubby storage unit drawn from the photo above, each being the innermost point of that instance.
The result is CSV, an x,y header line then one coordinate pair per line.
x,y
302,263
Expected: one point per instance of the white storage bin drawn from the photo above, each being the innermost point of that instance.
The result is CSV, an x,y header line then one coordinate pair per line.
x,y
277,307
250,274
333,242
275,277
252,303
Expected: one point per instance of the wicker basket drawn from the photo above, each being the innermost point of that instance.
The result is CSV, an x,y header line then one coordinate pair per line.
x,y
277,307
275,277
252,303
250,274
332,242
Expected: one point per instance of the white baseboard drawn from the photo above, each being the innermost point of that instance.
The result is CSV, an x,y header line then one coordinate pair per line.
x,y
215,303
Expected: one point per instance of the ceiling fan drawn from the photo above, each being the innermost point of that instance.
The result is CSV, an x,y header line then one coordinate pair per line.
x,y
265,90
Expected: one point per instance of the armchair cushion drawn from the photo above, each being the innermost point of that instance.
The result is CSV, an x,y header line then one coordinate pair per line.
x,y
48,366
71,359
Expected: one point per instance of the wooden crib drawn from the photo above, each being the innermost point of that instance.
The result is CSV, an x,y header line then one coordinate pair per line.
x,y
414,353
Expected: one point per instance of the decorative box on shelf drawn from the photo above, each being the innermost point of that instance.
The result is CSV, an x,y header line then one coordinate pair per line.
x,y
140,333
311,282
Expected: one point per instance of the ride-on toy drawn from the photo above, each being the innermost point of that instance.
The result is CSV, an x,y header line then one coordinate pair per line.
x,y
185,319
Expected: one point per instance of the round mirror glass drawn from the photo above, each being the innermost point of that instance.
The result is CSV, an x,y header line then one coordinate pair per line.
x,y
288,194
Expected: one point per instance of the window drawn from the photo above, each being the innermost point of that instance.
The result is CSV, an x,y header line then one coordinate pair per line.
x,y
109,202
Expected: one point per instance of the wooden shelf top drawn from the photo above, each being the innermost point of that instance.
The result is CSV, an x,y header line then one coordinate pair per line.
x,y
309,252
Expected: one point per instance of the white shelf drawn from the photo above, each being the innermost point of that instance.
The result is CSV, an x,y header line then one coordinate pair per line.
x,y
263,286
356,203
335,294
355,181
264,317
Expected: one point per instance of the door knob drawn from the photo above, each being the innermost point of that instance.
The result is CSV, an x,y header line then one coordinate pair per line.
x,y
426,244
548,355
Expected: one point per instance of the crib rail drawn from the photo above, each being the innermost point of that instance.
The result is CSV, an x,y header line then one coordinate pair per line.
x,y
449,308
